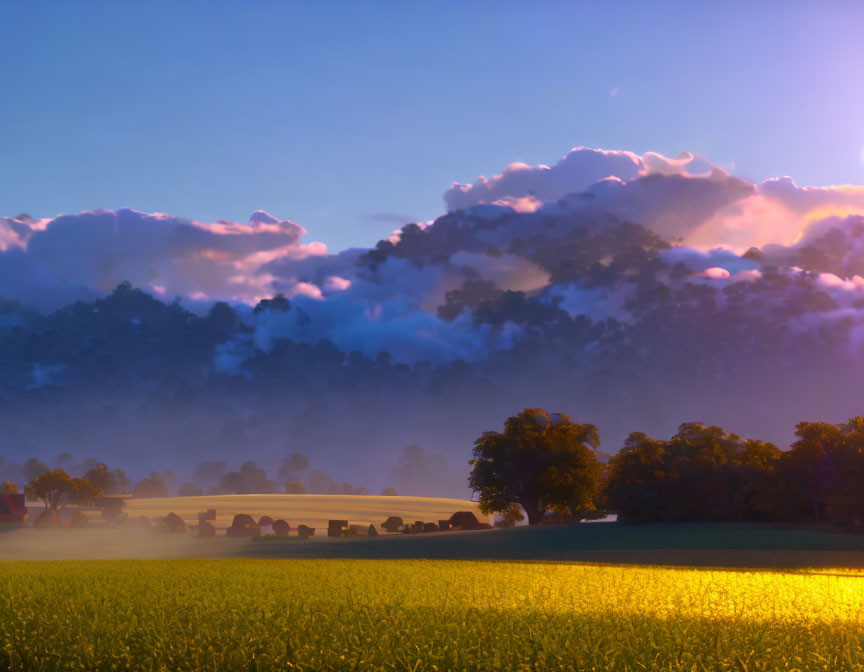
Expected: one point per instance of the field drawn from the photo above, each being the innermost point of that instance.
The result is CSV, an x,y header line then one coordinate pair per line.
x,y
424,615
311,510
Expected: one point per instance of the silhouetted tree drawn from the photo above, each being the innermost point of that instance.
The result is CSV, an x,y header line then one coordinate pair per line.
x,y
540,462
150,487
33,468
111,482
295,487
248,480
292,467
701,473
189,490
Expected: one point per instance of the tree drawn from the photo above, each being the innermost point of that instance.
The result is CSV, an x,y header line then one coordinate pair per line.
x,y
322,483
190,490
150,487
8,488
388,492
33,468
295,487
248,480
207,474
292,467
701,473
52,487
540,462
86,492
110,482
822,475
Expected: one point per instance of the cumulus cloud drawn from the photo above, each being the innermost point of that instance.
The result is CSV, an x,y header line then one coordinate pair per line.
x,y
95,251
575,172
530,239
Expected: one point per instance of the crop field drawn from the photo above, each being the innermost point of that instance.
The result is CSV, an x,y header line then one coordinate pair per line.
x,y
424,615
312,510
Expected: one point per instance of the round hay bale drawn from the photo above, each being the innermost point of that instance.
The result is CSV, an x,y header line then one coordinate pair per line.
x,y
281,528
392,524
173,524
464,520
243,526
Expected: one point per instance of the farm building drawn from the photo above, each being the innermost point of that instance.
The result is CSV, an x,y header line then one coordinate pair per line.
x,y
12,510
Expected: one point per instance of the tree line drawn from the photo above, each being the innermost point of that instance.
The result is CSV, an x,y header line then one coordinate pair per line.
x,y
57,488
549,466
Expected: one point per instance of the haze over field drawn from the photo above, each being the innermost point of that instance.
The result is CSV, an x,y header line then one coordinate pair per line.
x,y
585,286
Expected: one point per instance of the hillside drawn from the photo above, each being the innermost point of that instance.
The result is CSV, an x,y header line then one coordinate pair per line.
x,y
311,510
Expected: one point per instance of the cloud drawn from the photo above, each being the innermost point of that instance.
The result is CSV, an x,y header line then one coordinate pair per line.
x,y
95,251
575,172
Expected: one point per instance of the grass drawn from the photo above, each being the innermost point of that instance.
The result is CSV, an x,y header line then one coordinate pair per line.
x,y
424,615
311,510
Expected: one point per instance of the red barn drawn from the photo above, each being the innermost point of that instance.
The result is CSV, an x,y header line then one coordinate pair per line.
x,y
12,510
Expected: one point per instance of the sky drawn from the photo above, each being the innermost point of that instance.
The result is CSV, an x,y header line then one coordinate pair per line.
x,y
352,119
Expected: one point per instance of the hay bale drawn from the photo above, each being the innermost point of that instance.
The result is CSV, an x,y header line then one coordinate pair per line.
x,y
281,528
464,520
206,530
305,532
336,528
392,524
430,527
49,518
371,532
173,524
243,525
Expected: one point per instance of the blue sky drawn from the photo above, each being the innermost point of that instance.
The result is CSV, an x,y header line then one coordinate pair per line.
x,y
340,115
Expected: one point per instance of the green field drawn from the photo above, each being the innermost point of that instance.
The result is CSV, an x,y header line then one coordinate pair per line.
x,y
424,615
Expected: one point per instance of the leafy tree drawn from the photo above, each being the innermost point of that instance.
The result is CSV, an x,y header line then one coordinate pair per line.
x,y
52,487
822,475
389,492
540,462
112,482
86,492
8,488
150,487
701,473
295,487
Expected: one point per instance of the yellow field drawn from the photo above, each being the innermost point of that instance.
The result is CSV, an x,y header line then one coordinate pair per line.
x,y
311,510
419,615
